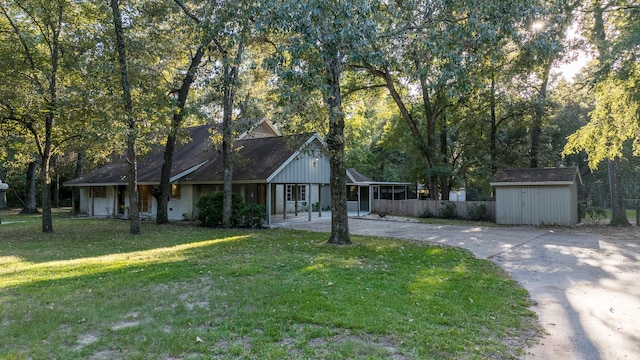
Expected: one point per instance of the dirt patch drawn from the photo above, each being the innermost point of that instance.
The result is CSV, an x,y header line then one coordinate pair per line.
x,y
108,355
124,325
86,340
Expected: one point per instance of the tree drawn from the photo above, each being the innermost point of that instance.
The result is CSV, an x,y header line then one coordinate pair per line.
x,y
130,120
321,39
612,28
32,26
426,55
177,118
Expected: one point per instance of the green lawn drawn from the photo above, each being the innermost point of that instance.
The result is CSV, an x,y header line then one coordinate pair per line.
x,y
90,290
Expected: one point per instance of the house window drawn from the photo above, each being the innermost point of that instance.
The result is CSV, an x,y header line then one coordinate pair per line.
x,y
99,192
352,193
386,192
144,199
175,191
301,192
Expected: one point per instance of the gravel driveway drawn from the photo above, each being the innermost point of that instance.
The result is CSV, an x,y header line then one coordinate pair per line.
x,y
585,282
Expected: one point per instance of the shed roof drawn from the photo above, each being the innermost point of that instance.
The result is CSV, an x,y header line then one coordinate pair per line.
x,y
537,176
198,160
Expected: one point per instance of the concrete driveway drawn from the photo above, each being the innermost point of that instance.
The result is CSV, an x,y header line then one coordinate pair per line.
x,y
584,282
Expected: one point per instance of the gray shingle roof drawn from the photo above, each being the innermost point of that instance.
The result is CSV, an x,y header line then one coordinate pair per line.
x,y
199,161
357,177
536,175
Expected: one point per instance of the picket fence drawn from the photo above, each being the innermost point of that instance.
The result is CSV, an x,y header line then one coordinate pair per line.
x,y
415,207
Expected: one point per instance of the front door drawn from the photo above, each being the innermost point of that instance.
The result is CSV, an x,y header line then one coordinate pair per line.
x,y
364,198
121,195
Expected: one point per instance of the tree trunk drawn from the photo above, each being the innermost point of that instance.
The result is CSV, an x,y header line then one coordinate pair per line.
x,y
444,154
536,128
493,148
47,219
132,174
50,117
3,194
335,143
618,213
176,123
422,143
231,70
30,196
76,189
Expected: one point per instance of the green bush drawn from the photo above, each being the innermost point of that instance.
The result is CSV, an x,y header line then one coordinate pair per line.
x,y
254,216
477,212
210,209
426,214
595,213
448,210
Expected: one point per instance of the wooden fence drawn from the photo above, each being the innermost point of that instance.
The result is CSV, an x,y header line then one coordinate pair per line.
x,y
415,207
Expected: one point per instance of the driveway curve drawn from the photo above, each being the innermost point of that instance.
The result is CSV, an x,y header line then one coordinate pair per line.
x,y
584,282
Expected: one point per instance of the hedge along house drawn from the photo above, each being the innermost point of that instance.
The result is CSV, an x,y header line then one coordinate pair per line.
x,y
542,196
269,169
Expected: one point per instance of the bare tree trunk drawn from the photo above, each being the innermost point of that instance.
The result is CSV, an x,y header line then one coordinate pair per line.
x,y
231,70
132,174
335,142
493,148
536,128
47,219
444,154
176,123
3,194
76,189
618,213
30,196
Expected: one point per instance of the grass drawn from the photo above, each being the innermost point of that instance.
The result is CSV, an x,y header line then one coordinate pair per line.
x,y
90,290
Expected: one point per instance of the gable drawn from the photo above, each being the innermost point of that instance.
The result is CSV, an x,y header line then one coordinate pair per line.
x,y
263,129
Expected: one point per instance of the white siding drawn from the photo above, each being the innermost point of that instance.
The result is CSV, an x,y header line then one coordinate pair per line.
x,y
100,207
182,209
536,205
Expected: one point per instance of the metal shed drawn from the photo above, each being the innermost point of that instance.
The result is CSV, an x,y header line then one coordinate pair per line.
x,y
541,196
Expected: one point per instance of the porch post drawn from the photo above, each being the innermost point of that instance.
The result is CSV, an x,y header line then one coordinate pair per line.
x,y
319,200
284,202
309,207
268,203
358,207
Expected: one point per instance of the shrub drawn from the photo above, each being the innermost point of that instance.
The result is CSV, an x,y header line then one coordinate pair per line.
x,y
595,213
254,215
210,208
426,214
448,210
477,212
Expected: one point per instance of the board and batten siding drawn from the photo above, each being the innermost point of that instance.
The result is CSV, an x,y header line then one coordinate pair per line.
x,y
537,205
307,167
